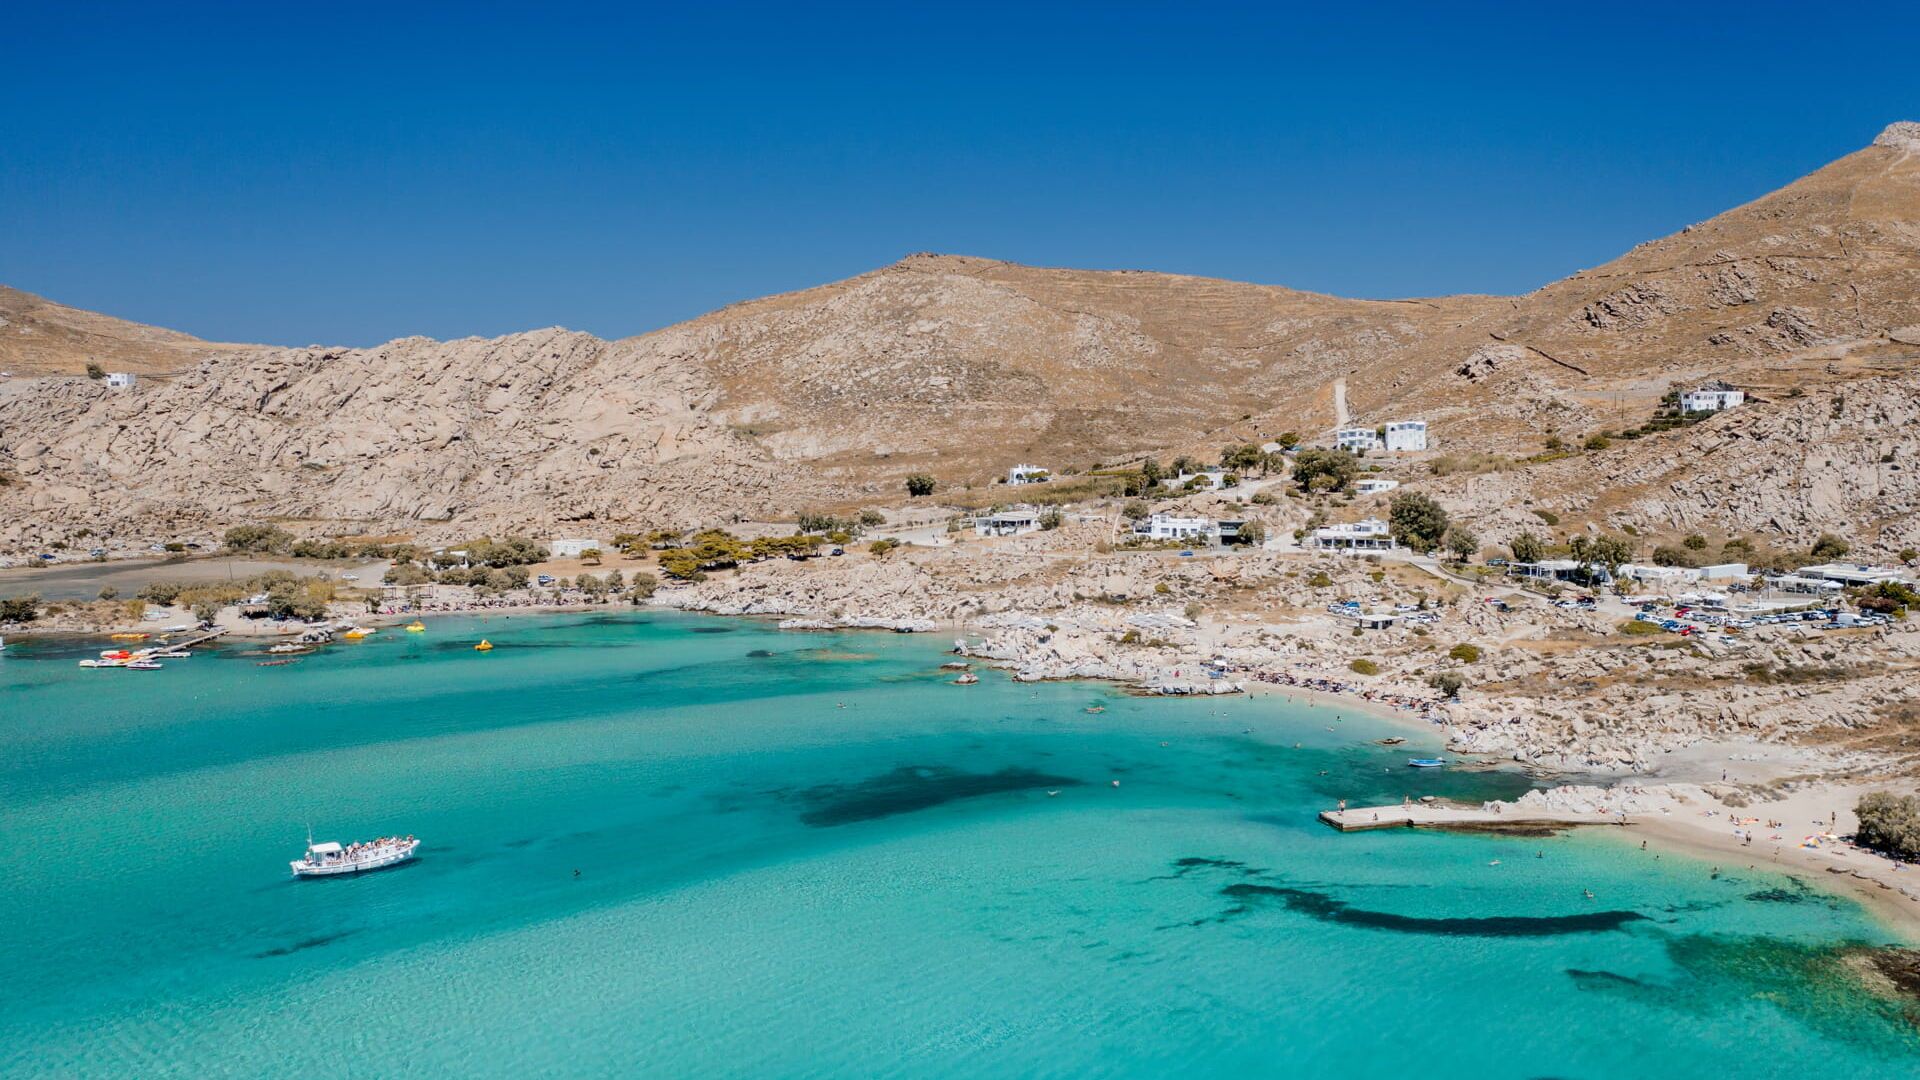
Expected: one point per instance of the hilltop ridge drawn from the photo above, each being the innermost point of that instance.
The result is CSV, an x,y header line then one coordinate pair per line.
x,y
959,365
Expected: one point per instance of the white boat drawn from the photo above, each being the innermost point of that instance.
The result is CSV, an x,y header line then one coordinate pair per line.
x,y
141,665
286,647
331,859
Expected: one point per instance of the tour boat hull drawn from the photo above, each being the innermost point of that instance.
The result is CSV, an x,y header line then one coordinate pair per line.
x,y
379,860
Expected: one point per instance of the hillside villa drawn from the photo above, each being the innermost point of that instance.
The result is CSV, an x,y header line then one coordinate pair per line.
x,y
1714,398
1176,527
1028,474
1009,522
1369,534
1398,437
1406,436
574,547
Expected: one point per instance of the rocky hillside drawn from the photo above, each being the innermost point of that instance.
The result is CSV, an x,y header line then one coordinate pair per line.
x,y
1808,297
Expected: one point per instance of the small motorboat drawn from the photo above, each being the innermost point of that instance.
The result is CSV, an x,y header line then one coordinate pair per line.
x,y
416,626
355,633
1426,762
141,665
287,647
1394,741
484,646
967,679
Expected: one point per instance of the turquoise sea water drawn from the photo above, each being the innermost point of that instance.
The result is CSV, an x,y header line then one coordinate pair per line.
x,y
808,855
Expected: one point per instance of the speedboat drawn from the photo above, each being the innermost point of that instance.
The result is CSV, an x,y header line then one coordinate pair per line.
x,y
358,632
484,646
141,665
331,859
416,626
967,679
1426,762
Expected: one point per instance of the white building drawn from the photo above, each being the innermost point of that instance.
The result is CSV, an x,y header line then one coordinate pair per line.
x,y
1374,487
1358,440
1727,571
1851,573
1557,570
120,380
1209,480
1028,474
1711,399
1020,519
1811,586
1172,527
572,548
1404,436
1370,534
1648,574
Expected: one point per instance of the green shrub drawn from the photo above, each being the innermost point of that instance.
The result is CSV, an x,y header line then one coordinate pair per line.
x,y
1364,666
1447,682
1890,823
1465,653
1320,580
21,609
1639,628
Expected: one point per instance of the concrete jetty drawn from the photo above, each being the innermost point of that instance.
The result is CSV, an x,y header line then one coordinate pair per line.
x,y
1443,816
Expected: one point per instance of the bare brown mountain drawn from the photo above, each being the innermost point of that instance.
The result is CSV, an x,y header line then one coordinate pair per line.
x,y
40,337
961,366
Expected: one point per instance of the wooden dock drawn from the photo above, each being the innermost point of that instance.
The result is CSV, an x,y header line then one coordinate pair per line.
x,y
201,639
1442,816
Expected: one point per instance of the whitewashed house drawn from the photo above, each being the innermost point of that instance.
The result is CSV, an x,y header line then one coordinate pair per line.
x,y
1852,573
1374,486
1356,440
1028,474
1806,586
1406,436
573,547
1209,480
1370,534
1649,574
121,380
1728,571
1557,570
1175,527
1012,522
1711,399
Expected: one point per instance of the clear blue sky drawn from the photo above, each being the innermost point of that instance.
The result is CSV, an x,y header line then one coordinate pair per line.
x,y
347,173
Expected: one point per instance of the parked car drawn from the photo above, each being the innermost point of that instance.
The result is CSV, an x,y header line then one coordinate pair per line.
x,y
838,551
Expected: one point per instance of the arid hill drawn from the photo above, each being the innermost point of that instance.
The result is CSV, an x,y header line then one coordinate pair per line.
x,y
1808,297
40,337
